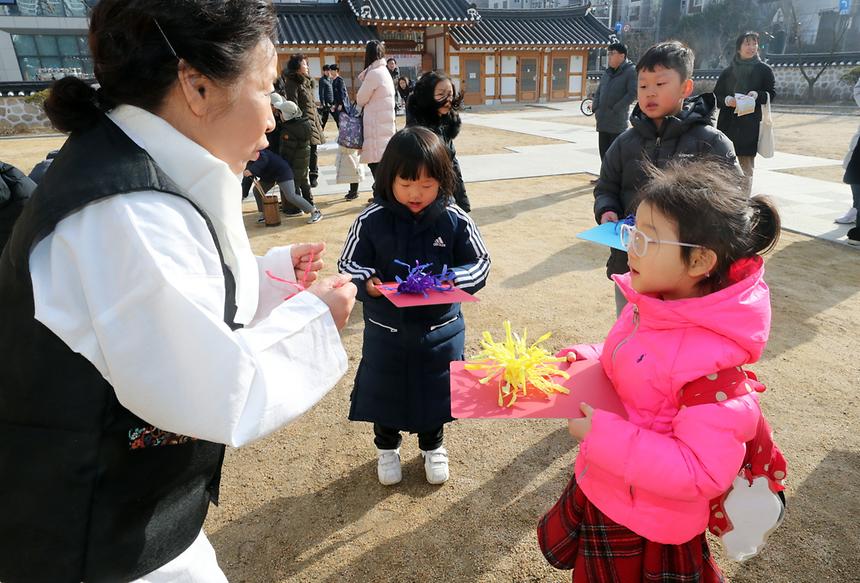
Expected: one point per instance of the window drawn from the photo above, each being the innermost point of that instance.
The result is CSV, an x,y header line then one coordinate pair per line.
x,y
45,8
38,54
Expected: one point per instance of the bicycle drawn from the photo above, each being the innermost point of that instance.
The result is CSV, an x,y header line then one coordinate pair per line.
x,y
585,107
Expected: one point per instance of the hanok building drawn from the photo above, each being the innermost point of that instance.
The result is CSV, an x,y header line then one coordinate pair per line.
x,y
493,56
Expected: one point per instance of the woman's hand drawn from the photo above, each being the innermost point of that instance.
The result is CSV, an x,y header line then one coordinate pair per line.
x,y
371,288
753,94
579,428
730,101
307,257
338,293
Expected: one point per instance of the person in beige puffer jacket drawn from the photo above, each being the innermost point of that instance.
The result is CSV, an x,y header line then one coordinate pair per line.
x,y
376,97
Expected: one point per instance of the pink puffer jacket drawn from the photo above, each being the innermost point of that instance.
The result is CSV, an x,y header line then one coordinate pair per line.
x,y
376,96
656,472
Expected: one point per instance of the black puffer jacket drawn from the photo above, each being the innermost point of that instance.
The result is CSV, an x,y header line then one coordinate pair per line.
x,y
446,127
688,135
295,145
743,131
15,191
300,90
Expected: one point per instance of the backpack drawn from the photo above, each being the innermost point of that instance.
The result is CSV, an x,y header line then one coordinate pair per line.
x,y
754,506
15,190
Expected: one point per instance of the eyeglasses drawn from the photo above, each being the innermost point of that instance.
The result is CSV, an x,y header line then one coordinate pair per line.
x,y
632,239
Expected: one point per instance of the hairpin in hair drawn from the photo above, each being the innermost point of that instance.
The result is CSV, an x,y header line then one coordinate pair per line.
x,y
164,36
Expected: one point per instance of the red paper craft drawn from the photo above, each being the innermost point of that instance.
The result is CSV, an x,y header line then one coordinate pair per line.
x,y
587,383
389,290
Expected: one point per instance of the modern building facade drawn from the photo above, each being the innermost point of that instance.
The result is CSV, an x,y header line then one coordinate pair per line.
x,y
43,39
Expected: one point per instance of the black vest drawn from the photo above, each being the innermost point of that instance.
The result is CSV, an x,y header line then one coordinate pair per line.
x,y
88,490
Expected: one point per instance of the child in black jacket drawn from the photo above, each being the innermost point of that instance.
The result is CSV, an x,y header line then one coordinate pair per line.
x,y
402,383
668,125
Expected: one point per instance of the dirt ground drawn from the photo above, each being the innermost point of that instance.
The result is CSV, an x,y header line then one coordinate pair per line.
x,y
304,504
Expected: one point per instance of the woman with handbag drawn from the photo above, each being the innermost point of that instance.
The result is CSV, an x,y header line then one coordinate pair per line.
x,y
376,98
747,75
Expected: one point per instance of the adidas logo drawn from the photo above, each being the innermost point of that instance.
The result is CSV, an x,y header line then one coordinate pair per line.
x,y
439,242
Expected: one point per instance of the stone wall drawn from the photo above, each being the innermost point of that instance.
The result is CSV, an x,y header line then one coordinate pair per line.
x,y
18,116
830,88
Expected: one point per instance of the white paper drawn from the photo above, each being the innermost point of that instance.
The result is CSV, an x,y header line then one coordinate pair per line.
x,y
744,104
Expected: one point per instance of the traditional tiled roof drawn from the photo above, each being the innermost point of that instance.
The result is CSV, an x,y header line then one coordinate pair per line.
x,y
323,24
450,12
813,59
533,28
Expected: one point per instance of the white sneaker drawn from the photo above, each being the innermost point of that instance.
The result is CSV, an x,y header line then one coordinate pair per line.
x,y
847,218
316,216
388,466
436,465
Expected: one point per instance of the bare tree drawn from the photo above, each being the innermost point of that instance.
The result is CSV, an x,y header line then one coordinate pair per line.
x,y
811,77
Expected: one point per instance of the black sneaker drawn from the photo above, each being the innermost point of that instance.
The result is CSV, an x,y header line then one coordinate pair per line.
x,y
351,195
292,213
314,182
854,236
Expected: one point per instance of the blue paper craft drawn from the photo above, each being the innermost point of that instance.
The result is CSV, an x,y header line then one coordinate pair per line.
x,y
608,234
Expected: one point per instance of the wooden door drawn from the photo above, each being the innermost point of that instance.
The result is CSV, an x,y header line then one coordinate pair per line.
x,y
560,73
473,81
528,78
349,68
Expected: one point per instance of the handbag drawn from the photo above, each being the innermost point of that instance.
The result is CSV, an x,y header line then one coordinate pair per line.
x,y
765,131
351,128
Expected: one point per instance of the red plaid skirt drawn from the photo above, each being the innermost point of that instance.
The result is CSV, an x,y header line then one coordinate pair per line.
x,y
574,534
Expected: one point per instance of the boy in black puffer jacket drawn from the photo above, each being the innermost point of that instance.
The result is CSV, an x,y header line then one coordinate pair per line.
x,y
668,124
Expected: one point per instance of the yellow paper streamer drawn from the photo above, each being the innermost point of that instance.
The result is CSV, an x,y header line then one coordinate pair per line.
x,y
517,365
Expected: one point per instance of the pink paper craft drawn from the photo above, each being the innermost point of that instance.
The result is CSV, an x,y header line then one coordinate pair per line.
x,y
389,290
587,383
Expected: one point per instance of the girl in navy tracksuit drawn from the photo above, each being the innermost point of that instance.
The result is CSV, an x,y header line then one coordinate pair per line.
x,y
402,383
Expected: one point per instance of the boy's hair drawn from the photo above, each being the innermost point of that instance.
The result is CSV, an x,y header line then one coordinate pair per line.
x,y
333,67
709,204
671,54
325,68
423,104
744,36
295,62
618,48
410,151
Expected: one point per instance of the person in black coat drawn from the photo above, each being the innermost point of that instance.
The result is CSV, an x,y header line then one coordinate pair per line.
x,y
341,96
434,105
402,382
747,75
326,93
15,190
405,87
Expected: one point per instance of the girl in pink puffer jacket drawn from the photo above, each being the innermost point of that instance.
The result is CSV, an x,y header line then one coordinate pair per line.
x,y
637,506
